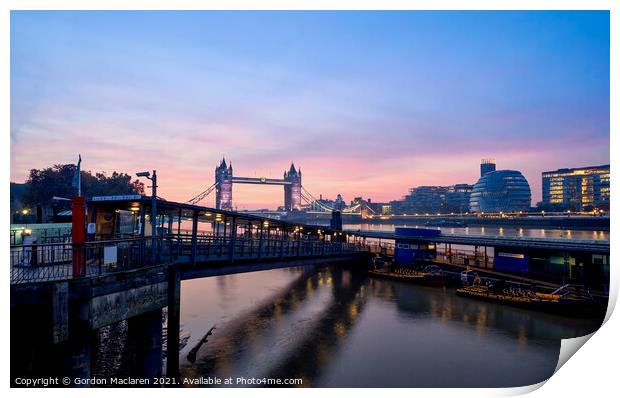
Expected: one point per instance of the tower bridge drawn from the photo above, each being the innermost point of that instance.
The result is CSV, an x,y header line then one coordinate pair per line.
x,y
224,180
296,197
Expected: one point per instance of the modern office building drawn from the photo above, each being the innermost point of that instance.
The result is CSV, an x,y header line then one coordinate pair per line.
x,y
421,200
487,166
501,191
434,199
577,189
457,198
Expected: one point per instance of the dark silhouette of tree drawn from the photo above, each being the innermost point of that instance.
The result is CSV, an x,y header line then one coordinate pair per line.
x,y
42,185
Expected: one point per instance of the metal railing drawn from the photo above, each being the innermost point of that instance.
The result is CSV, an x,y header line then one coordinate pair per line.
x,y
44,262
217,247
55,261
42,235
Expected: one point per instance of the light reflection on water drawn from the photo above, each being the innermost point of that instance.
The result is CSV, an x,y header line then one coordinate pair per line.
x,y
494,231
333,327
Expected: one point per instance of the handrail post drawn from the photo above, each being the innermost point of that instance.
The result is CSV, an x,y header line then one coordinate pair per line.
x,y
233,238
154,251
179,235
208,244
268,241
194,236
260,242
142,233
251,239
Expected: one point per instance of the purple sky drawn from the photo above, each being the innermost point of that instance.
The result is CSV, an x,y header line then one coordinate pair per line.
x,y
366,103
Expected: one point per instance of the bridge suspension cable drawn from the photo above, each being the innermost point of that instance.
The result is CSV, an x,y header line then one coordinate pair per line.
x,y
353,209
312,201
198,198
358,208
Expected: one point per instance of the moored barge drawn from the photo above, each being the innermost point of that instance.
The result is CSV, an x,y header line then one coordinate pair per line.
x,y
568,300
428,276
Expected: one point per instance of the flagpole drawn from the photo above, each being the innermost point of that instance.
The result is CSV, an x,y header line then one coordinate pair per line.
x,y
80,176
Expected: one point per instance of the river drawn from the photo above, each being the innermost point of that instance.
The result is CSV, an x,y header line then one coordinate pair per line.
x,y
492,231
336,327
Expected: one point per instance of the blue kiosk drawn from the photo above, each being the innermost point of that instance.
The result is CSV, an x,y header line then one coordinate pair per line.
x,y
408,250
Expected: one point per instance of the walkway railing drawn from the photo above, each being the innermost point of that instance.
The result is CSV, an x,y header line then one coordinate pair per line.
x,y
214,247
43,235
54,261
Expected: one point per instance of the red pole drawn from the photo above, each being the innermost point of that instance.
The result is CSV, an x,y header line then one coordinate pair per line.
x,y
78,234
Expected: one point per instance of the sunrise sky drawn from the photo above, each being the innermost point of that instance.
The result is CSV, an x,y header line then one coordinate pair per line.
x,y
366,103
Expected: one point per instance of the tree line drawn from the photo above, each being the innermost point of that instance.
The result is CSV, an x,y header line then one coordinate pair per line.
x,y
43,184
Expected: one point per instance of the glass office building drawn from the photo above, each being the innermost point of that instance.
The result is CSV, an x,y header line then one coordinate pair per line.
x,y
424,199
457,198
578,189
502,190
434,199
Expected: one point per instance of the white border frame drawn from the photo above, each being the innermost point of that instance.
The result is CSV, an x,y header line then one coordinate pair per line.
x,y
591,373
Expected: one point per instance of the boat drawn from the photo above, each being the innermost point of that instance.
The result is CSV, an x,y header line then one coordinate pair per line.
x,y
428,276
568,300
381,262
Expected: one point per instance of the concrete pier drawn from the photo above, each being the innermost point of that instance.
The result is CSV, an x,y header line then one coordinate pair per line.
x,y
144,334
174,322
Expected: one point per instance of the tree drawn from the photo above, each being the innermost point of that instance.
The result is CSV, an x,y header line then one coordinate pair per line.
x,y
42,185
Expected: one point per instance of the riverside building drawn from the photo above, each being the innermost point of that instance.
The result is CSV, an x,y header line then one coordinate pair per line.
x,y
576,189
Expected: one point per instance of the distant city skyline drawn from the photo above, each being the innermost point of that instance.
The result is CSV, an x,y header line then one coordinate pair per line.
x,y
366,103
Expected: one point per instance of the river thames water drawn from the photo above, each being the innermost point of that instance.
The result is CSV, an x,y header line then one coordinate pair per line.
x,y
492,231
336,327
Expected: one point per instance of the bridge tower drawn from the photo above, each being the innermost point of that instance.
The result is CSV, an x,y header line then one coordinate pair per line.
x,y
223,191
292,191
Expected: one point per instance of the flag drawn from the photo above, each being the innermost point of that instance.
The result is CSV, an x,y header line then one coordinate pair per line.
x,y
77,178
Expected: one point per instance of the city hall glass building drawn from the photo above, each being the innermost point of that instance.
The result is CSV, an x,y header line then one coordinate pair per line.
x,y
502,190
577,189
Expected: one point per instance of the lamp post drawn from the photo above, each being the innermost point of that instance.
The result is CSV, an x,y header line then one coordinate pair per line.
x,y
153,211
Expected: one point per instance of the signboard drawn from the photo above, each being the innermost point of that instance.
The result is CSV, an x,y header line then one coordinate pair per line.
x,y
27,252
116,197
109,255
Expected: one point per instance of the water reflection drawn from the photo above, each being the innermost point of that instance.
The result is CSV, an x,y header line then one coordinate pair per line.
x,y
444,306
494,231
338,328
294,331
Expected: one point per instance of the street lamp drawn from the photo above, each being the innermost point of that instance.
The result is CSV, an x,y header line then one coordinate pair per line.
x,y
153,211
